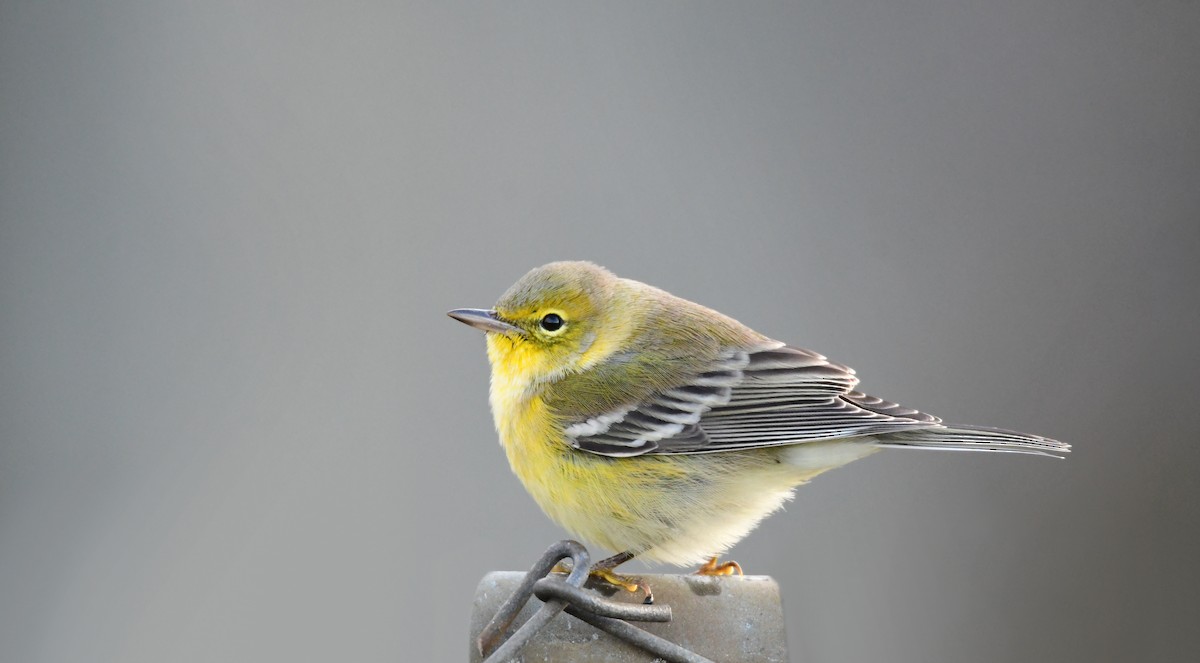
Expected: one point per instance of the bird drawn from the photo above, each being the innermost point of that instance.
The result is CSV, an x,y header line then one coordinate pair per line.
x,y
658,428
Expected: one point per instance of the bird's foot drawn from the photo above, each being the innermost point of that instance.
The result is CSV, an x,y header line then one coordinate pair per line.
x,y
627,583
712,568
602,571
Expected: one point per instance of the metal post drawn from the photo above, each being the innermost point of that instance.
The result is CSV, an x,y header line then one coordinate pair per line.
x,y
725,618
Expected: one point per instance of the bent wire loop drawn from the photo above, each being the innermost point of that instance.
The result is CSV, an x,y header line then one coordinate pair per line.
x,y
559,595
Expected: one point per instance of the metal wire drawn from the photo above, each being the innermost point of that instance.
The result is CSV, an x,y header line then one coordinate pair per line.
x,y
569,595
552,588
508,612
664,649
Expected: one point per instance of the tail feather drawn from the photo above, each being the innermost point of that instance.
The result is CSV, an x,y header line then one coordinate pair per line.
x,y
963,437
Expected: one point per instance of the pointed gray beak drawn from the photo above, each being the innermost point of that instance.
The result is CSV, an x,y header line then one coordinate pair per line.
x,y
484,319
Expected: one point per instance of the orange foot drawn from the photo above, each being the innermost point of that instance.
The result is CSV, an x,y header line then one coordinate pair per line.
x,y
711,568
632,585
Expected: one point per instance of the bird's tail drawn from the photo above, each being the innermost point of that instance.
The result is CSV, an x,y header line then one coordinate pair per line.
x,y
962,437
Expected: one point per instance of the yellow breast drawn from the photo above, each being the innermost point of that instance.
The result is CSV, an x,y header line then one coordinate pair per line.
x,y
671,508
527,430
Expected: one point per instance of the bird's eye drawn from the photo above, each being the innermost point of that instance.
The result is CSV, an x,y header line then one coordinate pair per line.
x,y
552,322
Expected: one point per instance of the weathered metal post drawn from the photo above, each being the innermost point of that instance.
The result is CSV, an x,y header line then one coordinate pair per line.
x,y
693,619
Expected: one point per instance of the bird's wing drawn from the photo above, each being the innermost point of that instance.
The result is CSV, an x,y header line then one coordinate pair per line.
x,y
746,399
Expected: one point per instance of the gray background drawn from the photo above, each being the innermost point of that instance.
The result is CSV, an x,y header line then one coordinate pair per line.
x,y
236,424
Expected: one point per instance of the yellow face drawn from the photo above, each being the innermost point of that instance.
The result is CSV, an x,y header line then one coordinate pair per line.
x,y
557,319
556,333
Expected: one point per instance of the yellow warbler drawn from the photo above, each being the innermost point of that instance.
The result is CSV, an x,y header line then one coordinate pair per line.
x,y
661,429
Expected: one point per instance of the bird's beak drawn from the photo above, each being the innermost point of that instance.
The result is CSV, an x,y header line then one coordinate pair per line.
x,y
486,320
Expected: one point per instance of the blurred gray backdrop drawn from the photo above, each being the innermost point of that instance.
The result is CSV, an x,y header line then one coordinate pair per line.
x,y
236,424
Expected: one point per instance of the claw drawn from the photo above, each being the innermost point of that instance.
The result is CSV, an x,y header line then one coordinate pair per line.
x,y
712,568
626,583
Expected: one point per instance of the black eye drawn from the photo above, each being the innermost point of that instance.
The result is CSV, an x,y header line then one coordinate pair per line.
x,y
552,322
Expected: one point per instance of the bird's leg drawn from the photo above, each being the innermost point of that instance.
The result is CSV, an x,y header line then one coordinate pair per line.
x,y
712,568
606,564
603,571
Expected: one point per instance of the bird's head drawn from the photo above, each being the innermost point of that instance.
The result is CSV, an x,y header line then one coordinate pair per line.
x,y
556,319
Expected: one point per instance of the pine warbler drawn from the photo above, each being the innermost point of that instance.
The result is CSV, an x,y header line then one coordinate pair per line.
x,y
658,428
